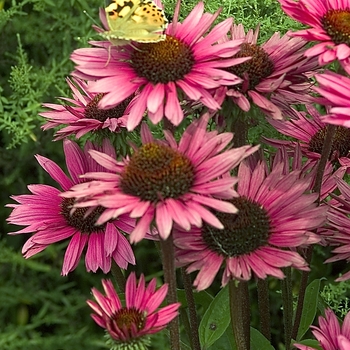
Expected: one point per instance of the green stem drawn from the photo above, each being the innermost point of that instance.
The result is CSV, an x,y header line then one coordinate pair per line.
x,y
118,275
191,309
240,313
167,248
264,308
287,299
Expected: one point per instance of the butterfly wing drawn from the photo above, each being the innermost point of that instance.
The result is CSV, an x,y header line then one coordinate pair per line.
x,y
136,20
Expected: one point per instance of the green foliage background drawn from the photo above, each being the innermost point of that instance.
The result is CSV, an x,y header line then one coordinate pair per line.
x,y
39,309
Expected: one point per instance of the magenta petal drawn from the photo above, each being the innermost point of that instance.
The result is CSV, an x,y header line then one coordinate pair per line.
x,y
163,220
73,252
155,98
142,227
55,172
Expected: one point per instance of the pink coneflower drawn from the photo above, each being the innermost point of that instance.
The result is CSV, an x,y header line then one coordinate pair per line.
x,y
274,215
309,131
338,233
48,216
138,318
165,182
82,113
185,66
276,76
329,26
330,334
334,89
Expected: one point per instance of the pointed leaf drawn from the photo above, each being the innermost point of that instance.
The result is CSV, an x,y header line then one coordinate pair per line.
x,y
258,341
215,320
309,307
313,343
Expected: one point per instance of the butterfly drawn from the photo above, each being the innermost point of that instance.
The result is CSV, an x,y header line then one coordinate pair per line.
x,y
134,20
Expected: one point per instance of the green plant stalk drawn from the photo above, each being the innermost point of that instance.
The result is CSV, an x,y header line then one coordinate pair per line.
x,y
118,275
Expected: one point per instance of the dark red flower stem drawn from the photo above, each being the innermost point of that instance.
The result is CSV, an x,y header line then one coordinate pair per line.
x,y
191,309
264,308
167,249
240,130
238,291
326,151
287,299
301,295
240,313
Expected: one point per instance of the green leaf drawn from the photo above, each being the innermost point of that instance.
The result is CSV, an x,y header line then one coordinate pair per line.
x,y
184,346
258,341
226,341
202,298
215,320
231,338
311,342
309,307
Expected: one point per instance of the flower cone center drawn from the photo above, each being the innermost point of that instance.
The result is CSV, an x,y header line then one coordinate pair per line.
x,y
163,62
78,219
256,69
157,172
92,111
243,232
129,319
337,25
340,144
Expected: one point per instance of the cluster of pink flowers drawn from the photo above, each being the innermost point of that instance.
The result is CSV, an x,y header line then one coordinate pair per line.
x,y
229,209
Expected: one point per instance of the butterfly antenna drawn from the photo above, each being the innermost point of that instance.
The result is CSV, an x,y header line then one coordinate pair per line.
x,y
135,47
109,55
89,16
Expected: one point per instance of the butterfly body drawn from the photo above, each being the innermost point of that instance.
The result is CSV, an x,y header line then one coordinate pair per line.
x,y
134,20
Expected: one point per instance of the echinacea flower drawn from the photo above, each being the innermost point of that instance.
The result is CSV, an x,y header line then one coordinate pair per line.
x,y
165,182
185,66
334,89
328,21
274,215
330,334
49,216
309,130
276,76
139,317
82,115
